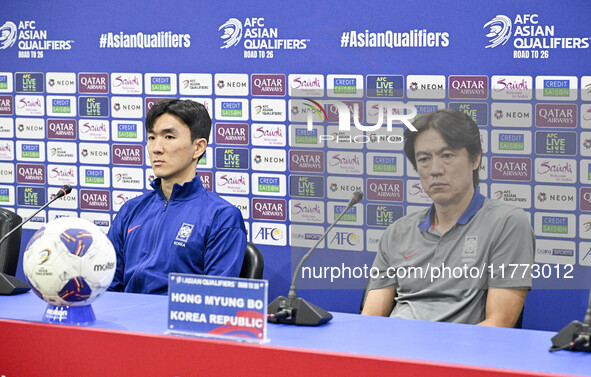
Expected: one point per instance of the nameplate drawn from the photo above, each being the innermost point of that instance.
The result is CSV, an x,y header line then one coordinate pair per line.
x,y
217,307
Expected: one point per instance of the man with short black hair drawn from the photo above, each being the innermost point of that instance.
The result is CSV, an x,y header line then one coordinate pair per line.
x,y
180,226
451,262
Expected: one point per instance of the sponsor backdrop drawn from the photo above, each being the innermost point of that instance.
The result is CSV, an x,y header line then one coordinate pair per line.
x,y
297,92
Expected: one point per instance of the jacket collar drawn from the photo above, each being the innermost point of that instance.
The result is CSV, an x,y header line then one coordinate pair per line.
x,y
186,191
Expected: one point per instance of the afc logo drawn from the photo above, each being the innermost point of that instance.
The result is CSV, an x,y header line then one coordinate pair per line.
x,y
268,234
345,238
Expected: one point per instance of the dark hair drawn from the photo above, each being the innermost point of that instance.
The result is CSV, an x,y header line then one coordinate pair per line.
x,y
192,113
457,129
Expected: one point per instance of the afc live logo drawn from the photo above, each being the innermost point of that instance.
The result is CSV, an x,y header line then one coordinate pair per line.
x,y
556,143
29,83
385,86
306,186
383,215
231,158
93,106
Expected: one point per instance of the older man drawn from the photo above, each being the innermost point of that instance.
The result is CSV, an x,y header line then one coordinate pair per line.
x,y
465,259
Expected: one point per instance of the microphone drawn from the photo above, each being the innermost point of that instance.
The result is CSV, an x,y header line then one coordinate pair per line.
x,y
9,285
297,311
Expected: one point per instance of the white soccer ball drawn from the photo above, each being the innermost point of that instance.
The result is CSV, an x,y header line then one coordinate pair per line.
x,y
69,261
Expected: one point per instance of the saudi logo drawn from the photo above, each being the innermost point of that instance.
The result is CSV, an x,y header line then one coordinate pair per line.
x,y
7,35
499,30
232,32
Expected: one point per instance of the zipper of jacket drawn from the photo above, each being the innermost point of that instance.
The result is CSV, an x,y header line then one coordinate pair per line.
x,y
151,255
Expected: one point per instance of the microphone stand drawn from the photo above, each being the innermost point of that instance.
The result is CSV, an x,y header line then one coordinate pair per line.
x,y
10,285
294,310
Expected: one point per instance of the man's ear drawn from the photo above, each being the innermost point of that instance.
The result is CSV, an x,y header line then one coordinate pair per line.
x,y
199,146
477,161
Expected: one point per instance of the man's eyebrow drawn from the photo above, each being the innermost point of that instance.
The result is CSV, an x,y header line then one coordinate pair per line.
x,y
170,130
447,148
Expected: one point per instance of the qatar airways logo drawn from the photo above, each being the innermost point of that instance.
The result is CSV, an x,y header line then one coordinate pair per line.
x,y
511,169
61,129
332,111
95,200
556,115
128,154
231,133
93,83
6,105
390,190
267,85
269,209
475,87
28,173
306,161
